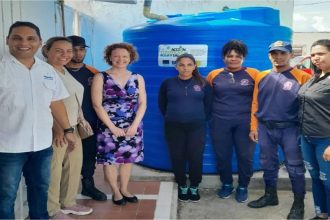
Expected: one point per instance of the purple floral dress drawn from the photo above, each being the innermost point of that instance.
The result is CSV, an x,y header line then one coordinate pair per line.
x,y
121,105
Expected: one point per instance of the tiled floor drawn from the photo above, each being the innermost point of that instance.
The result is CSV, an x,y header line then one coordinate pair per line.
x,y
144,209
158,200
155,200
148,193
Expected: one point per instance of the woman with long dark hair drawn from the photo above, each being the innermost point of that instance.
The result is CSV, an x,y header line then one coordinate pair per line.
x,y
184,102
314,115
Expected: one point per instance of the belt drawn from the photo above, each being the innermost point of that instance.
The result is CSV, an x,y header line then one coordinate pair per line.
x,y
278,124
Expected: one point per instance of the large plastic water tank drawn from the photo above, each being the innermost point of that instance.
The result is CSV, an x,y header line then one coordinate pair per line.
x,y
203,34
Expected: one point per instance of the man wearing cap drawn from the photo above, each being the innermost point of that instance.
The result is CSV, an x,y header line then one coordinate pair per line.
x,y
84,74
274,121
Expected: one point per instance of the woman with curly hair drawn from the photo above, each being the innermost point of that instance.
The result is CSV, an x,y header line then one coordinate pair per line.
x,y
119,100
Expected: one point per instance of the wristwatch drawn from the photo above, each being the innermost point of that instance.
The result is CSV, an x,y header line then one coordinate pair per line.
x,y
69,130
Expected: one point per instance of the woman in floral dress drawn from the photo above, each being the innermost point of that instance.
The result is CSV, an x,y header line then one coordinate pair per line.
x,y
119,99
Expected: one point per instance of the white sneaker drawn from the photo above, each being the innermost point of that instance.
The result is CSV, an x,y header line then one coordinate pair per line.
x,y
60,215
77,210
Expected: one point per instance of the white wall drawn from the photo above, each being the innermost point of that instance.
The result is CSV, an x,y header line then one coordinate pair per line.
x,y
112,18
46,15
42,13
306,39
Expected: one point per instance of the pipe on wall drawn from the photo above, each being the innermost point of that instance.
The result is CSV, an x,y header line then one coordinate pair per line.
x,y
61,3
147,11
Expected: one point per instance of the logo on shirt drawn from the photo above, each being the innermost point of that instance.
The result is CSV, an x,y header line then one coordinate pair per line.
x,y
197,88
244,82
287,85
48,77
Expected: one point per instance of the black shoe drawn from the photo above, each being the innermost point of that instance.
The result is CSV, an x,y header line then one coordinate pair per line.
x,y
194,194
269,199
132,199
88,189
319,217
183,193
121,201
298,209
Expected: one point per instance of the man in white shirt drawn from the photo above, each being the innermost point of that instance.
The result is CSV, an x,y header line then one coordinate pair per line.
x,y
30,96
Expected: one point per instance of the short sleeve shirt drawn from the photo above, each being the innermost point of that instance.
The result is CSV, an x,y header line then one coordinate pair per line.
x,y
25,97
73,102
232,95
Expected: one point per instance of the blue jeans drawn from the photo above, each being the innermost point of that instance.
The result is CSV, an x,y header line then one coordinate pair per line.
x,y
319,170
36,170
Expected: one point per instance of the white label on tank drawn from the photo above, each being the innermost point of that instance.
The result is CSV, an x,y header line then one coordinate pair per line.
x,y
167,53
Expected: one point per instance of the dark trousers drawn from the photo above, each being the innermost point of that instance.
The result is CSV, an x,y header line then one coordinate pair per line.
x,y
288,139
186,144
89,154
229,134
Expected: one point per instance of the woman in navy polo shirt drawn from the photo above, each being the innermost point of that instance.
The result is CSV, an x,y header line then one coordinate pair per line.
x,y
184,102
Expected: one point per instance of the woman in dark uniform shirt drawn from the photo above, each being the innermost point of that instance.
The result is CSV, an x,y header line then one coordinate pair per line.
x,y
232,88
184,102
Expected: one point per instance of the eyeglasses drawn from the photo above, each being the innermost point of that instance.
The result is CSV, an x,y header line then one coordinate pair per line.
x,y
232,79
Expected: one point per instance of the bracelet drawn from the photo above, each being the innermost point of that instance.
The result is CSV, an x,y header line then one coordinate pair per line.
x,y
68,130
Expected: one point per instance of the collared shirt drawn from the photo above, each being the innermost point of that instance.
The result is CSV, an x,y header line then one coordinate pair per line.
x,y
25,97
275,96
184,100
232,92
73,102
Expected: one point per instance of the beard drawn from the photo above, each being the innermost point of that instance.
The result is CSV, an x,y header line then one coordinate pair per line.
x,y
73,60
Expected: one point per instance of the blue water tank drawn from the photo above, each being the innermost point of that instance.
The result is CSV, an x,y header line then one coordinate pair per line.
x,y
204,34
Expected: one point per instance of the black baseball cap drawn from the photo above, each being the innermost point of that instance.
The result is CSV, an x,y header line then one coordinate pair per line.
x,y
77,41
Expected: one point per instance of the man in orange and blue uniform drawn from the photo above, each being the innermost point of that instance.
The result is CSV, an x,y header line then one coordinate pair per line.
x,y
274,120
